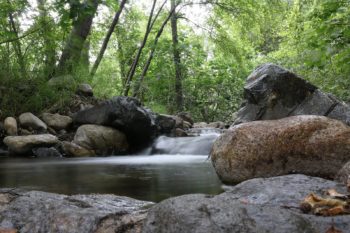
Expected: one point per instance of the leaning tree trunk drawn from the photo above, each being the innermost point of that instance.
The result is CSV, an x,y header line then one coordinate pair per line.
x,y
150,24
138,84
71,53
45,22
108,36
177,60
17,46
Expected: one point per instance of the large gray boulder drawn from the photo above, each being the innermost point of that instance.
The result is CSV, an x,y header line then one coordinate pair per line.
x,y
255,206
312,145
125,114
30,121
38,212
101,139
272,92
24,144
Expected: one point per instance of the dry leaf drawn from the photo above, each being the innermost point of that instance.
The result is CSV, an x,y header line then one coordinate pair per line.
x,y
332,229
335,194
8,231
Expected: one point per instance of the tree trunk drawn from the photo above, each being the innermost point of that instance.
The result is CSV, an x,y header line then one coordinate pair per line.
x,y
106,39
71,53
138,84
177,60
45,21
17,46
150,23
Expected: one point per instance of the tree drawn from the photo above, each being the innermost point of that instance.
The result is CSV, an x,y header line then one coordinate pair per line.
x,y
107,38
151,21
177,59
83,14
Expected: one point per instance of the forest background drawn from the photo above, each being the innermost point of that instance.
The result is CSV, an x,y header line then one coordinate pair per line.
x,y
173,55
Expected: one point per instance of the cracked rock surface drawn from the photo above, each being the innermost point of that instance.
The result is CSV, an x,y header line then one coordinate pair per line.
x,y
34,211
255,206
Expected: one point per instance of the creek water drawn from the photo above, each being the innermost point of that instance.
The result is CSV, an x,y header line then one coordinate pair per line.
x,y
170,167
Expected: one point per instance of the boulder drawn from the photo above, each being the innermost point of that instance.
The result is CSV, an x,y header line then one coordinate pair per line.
x,y
272,92
165,123
103,140
180,133
85,90
125,114
30,121
186,117
186,125
255,206
200,125
37,212
72,149
312,145
24,144
57,121
10,126
217,124
343,175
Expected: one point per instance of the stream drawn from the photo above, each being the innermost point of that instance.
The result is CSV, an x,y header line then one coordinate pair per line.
x,y
170,167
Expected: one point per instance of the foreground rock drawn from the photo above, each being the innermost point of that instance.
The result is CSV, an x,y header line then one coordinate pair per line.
x,y
101,139
255,206
24,144
34,212
57,121
125,114
312,145
272,92
30,121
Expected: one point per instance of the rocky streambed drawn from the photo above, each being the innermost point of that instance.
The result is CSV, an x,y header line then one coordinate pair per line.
x,y
255,206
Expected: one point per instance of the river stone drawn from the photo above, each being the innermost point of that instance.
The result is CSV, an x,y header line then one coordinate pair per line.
x,y
272,92
85,89
125,114
28,120
72,149
57,121
24,144
312,145
10,126
186,117
165,123
37,212
255,206
103,140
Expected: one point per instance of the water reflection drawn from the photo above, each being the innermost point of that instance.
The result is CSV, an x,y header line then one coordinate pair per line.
x,y
151,178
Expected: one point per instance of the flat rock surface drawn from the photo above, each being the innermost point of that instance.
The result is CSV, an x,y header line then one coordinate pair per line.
x,y
255,206
34,211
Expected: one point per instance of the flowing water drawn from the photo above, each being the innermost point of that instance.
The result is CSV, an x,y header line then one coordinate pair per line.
x,y
170,167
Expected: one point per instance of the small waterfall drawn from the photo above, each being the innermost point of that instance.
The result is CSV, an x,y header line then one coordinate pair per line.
x,y
192,145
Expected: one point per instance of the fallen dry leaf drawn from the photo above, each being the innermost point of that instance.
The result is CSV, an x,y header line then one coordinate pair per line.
x,y
332,229
8,231
335,194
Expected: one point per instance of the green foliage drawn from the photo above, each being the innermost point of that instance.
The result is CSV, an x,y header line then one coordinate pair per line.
x,y
310,37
